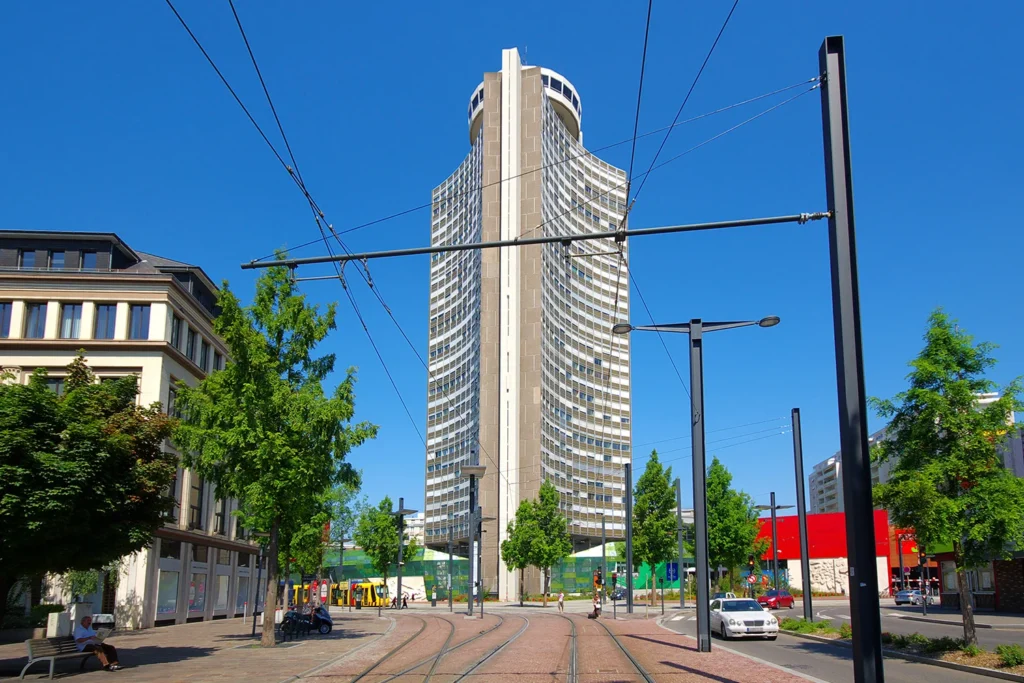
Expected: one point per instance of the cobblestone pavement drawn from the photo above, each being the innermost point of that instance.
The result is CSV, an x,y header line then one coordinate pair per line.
x,y
531,645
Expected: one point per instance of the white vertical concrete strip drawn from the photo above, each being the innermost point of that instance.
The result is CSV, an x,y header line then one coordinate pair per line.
x,y
508,388
17,320
88,327
52,320
159,322
121,322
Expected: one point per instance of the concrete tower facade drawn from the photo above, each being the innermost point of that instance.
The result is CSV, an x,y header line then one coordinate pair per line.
x,y
526,377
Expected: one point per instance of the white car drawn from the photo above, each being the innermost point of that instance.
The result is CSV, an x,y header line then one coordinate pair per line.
x,y
741,618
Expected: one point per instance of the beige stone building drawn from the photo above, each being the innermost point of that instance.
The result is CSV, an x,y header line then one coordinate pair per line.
x,y
134,314
526,377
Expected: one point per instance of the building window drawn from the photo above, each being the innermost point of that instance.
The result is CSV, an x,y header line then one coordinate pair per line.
x,y
138,322
106,316
220,517
195,504
172,401
167,591
35,321
5,319
88,260
70,321
190,345
26,259
204,356
170,550
171,514
56,260
218,361
175,331
56,385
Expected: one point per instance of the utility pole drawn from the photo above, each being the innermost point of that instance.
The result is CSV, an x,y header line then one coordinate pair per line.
x,y
775,546
450,532
801,511
604,557
679,539
629,537
700,510
866,621
401,544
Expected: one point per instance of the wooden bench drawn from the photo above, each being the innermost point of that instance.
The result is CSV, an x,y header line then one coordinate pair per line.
x,y
52,649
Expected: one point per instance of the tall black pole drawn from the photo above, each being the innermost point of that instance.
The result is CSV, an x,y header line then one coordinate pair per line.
x,y
801,512
604,558
472,543
700,510
256,598
775,547
679,539
629,538
853,426
401,542
451,520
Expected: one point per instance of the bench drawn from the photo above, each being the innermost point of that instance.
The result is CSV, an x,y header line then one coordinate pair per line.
x,y
52,649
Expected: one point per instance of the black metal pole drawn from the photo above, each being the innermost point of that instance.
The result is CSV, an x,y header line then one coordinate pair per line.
x,y
801,511
700,511
853,426
679,540
401,543
629,537
451,520
604,558
775,547
256,598
472,538
924,586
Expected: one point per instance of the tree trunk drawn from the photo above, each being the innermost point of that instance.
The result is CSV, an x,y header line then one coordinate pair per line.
x,y
270,600
966,606
544,587
522,584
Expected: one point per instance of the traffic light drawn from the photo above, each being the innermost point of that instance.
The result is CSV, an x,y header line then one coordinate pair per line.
x,y
750,562
615,579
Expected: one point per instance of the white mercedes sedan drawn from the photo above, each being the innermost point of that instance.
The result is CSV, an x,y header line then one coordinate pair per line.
x,y
742,617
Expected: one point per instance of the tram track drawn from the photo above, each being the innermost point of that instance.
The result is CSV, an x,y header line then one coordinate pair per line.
x,y
494,651
445,650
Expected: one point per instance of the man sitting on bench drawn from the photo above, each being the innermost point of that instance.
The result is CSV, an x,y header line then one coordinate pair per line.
x,y
87,640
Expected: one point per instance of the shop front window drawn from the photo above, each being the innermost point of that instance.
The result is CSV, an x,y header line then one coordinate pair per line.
x,y
197,593
167,593
222,593
243,593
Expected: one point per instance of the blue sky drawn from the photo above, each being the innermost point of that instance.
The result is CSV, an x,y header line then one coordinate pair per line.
x,y
113,121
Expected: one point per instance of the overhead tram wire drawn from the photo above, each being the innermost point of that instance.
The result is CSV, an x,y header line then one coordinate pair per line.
x,y
712,431
640,90
456,195
294,175
686,99
660,336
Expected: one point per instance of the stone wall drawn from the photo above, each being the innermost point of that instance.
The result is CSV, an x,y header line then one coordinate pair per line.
x,y
1009,578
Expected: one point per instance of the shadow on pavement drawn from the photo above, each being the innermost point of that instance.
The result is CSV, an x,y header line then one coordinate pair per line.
x,y
659,642
701,674
131,658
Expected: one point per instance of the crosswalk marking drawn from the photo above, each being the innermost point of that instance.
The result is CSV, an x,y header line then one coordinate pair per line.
x,y
679,618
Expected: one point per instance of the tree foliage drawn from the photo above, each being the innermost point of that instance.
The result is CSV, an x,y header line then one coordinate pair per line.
x,y
376,533
553,542
523,534
262,429
732,521
947,480
654,516
83,476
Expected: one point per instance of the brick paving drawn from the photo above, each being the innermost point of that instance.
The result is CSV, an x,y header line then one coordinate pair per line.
x,y
217,651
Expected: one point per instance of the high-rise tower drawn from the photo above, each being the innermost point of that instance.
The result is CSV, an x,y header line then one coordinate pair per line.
x,y
526,377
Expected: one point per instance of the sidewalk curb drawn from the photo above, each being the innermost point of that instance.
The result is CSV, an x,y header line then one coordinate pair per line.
x,y
979,670
948,622
771,665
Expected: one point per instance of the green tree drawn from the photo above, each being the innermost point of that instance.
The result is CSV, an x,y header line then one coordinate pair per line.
x,y
83,476
947,479
553,542
517,549
732,522
377,534
263,430
654,517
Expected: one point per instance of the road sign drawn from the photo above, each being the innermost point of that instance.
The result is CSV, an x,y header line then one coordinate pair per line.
x,y
672,571
751,579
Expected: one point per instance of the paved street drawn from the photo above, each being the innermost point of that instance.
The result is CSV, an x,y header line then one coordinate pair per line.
x,y
828,662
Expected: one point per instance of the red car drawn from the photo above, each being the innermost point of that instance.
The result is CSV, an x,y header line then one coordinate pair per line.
x,y
774,599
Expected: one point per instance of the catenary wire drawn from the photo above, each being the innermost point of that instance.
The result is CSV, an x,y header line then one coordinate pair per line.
x,y
712,431
640,90
456,195
685,100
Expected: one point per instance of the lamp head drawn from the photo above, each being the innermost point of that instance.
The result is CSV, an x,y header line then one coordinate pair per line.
x,y
622,328
770,321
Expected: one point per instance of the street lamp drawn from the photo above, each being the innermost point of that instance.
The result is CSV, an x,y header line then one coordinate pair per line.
x,y
259,575
402,512
775,534
474,472
696,329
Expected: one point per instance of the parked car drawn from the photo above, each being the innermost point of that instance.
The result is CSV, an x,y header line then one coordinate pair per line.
x,y
742,618
912,597
722,596
619,593
774,599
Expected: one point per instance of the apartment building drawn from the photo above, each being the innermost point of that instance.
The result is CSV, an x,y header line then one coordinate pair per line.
x,y
134,314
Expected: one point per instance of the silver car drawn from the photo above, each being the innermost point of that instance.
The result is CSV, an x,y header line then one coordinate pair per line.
x,y
742,618
912,597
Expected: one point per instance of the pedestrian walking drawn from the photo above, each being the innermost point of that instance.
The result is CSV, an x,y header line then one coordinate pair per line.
x,y
405,602
561,601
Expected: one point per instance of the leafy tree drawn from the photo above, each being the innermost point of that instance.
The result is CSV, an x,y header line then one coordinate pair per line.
x,y
263,430
732,521
654,517
947,479
552,542
377,534
523,534
83,476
